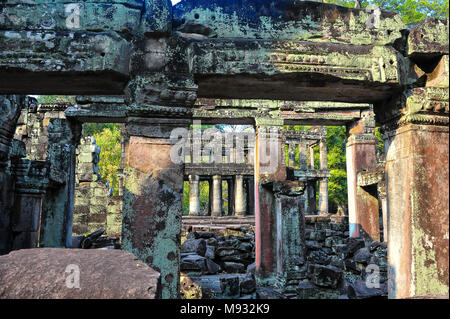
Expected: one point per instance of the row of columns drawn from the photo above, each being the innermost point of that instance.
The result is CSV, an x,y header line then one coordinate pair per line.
x,y
236,192
311,188
153,199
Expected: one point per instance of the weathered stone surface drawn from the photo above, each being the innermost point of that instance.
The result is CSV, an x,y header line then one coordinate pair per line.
x,y
307,290
248,284
197,246
233,267
362,256
352,245
325,276
359,289
420,208
319,257
210,252
430,37
287,20
263,60
193,262
96,63
212,267
229,286
42,273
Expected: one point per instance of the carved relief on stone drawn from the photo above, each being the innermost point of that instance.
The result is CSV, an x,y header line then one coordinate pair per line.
x,y
10,108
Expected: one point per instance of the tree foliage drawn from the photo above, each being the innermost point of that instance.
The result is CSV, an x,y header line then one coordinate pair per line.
x,y
411,11
108,139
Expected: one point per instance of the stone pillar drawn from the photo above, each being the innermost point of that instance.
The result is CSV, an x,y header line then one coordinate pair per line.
x,y
361,155
381,190
10,108
323,153
291,155
58,203
239,194
152,197
278,215
323,196
323,182
311,198
230,184
194,195
417,187
251,196
302,146
290,226
311,157
210,199
216,206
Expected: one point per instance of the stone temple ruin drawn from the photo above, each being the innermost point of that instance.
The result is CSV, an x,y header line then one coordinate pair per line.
x,y
155,68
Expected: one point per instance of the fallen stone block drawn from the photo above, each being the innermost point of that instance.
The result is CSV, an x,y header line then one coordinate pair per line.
x,y
324,276
212,267
229,286
197,246
359,290
193,263
362,256
232,267
59,273
352,246
248,284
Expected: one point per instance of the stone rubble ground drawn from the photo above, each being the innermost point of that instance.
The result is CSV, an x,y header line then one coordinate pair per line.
x,y
334,266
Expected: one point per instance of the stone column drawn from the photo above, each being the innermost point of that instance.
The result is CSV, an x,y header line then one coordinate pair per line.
x,y
194,195
361,155
311,157
291,155
417,187
278,214
302,155
10,108
251,196
239,202
152,197
58,202
217,196
381,190
210,193
230,184
311,197
323,182
289,238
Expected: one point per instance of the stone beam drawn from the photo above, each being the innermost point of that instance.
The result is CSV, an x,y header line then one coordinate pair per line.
x,y
68,47
204,169
295,70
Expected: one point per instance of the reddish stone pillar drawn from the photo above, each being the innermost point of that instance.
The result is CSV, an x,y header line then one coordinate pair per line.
x,y
417,185
152,197
279,216
361,155
269,165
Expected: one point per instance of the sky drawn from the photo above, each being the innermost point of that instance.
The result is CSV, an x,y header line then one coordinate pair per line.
x,y
175,1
